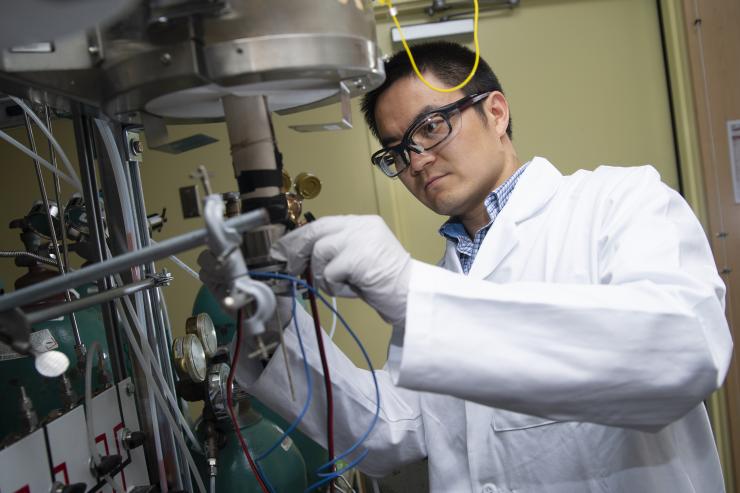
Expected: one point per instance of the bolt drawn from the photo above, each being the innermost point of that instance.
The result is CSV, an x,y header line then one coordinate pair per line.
x,y
165,58
229,301
93,50
137,147
130,389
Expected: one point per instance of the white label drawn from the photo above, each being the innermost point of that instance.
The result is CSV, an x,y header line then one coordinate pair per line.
x,y
41,341
24,466
733,136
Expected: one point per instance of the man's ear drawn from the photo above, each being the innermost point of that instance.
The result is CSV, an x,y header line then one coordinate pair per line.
x,y
497,112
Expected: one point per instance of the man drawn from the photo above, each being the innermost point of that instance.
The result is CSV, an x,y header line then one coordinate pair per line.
x,y
566,342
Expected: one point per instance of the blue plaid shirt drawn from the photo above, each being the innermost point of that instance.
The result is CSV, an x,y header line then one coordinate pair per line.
x,y
454,230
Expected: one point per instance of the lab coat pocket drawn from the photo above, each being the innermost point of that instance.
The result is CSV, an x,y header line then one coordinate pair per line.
x,y
509,421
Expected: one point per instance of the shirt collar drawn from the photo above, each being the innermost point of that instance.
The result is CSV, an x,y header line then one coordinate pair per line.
x,y
494,202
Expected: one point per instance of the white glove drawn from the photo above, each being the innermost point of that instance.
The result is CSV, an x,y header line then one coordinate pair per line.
x,y
352,255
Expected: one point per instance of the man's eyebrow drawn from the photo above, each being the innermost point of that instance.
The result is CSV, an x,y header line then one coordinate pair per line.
x,y
386,141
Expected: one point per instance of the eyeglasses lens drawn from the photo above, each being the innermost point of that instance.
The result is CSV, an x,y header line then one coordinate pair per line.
x,y
431,131
392,162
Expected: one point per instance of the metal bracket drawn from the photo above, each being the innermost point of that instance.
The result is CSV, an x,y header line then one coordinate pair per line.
x,y
159,140
224,242
344,124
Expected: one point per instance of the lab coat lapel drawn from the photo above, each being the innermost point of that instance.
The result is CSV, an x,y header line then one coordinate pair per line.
x,y
451,261
534,190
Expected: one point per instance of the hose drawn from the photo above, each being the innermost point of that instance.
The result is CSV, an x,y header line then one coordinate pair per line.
x,y
38,258
157,394
43,162
48,134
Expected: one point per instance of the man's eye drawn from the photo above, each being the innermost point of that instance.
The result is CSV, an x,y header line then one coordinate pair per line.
x,y
433,125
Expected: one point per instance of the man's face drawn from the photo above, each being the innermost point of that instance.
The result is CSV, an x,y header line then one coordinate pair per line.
x,y
453,178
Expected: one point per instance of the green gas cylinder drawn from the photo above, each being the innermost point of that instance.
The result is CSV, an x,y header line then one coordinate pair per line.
x,y
284,468
47,394
313,453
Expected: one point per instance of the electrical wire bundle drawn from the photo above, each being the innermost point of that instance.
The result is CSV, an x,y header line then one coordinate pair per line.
x,y
327,471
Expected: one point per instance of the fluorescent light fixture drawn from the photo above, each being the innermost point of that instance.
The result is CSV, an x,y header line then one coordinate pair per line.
x,y
433,30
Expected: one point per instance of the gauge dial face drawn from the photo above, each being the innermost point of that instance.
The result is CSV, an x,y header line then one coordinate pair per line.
x,y
202,327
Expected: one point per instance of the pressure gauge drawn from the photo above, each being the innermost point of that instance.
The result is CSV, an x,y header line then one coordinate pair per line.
x,y
307,185
202,327
75,217
38,222
190,359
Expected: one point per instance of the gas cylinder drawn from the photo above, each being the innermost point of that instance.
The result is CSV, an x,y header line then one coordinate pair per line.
x,y
48,395
284,469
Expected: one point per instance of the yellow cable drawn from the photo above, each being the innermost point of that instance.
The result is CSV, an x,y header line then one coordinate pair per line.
x,y
392,11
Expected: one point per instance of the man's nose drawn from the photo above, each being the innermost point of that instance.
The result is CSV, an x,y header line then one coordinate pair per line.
x,y
419,161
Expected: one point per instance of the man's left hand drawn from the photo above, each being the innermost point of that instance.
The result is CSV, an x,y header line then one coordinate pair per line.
x,y
352,255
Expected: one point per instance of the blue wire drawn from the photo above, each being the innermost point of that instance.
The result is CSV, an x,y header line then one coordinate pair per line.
x,y
331,476
295,423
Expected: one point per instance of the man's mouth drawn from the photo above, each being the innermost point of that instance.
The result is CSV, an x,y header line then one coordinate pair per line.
x,y
433,180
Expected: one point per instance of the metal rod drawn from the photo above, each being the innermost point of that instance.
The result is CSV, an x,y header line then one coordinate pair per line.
x,y
50,222
162,331
57,191
158,251
95,299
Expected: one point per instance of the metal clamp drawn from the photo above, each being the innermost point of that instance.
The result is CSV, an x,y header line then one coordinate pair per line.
x,y
225,243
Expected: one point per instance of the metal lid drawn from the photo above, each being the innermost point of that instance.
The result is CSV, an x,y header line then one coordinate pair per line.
x,y
307,185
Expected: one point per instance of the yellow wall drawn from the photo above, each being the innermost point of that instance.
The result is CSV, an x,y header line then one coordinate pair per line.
x,y
586,83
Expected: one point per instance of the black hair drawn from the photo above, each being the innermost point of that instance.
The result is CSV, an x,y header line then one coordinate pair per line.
x,y
449,62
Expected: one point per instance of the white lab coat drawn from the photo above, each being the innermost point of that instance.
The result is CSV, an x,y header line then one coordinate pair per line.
x,y
573,358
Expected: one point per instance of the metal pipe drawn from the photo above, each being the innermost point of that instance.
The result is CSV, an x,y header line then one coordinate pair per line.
x,y
162,332
57,191
79,346
158,251
96,299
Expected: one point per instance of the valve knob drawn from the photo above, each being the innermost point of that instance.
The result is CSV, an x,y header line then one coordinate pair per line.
x,y
134,439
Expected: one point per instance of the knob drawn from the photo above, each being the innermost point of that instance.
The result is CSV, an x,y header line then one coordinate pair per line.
x,y
134,439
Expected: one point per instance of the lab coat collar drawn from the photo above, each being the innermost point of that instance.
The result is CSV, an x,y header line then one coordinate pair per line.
x,y
535,188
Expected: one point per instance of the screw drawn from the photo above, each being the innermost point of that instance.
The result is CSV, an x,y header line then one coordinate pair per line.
x,y
137,147
130,389
93,50
165,58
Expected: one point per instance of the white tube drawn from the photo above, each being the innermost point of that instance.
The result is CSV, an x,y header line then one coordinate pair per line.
x,y
157,372
51,138
333,317
119,177
376,486
43,162
157,395
189,270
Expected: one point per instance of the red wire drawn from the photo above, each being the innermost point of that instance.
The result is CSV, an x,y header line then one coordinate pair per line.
x,y
230,403
327,378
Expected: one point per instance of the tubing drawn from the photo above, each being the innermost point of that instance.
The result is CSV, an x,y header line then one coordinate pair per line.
x,y
51,138
157,394
43,162
38,258
157,372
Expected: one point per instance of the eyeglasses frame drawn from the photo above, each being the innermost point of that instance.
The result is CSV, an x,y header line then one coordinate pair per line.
x,y
407,144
